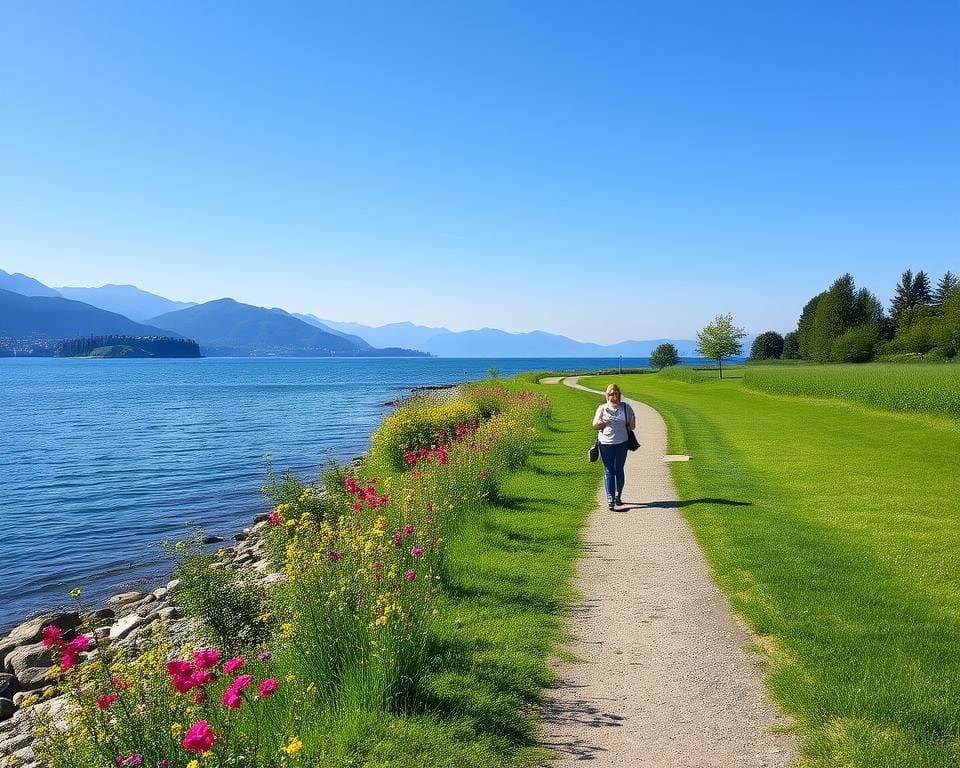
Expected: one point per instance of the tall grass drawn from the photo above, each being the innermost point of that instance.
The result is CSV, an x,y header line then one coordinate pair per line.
x,y
930,389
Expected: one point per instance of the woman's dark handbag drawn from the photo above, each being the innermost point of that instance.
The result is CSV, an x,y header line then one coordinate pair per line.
x,y
632,442
594,453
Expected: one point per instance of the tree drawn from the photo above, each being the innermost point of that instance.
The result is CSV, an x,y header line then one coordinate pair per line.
x,y
805,327
767,346
910,292
947,284
720,339
791,346
663,356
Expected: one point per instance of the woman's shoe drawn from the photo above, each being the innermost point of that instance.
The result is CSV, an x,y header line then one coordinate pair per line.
x,y
617,502
610,505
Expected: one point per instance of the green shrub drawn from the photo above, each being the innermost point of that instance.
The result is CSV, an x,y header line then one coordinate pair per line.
x,y
420,425
229,605
856,345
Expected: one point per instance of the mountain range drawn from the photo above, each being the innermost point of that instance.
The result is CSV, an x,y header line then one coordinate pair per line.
x,y
227,327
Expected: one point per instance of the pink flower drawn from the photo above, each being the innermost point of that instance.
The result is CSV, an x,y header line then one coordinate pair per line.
x,y
206,658
105,701
118,683
178,667
52,636
183,683
416,551
233,665
267,688
483,473
357,506
410,575
336,557
411,458
68,659
264,656
199,738
241,682
274,518
79,643
134,760
407,529
382,500
396,538
201,677
231,699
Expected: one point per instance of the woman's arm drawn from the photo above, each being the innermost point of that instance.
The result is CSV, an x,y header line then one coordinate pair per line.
x,y
598,422
631,418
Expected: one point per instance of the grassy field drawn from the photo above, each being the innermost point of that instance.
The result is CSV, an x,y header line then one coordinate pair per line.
x,y
912,388
835,530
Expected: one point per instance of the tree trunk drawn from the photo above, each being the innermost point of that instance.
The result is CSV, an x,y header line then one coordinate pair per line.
x,y
720,360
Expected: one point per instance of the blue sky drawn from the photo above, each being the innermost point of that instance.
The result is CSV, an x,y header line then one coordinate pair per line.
x,y
601,170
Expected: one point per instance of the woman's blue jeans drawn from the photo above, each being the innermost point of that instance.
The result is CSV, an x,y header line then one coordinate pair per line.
x,y
613,457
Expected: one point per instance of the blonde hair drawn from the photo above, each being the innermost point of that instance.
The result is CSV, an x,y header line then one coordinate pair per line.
x,y
613,388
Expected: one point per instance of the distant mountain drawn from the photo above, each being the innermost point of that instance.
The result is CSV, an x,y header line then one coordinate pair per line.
x,y
226,328
25,286
312,320
392,335
492,342
58,318
125,300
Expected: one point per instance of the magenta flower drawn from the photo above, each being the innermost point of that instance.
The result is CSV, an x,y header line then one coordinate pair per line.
x,y
264,656
201,677
396,538
411,458
231,699
416,551
274,518
233,665
105,701
52,636
134,760
241,682
199,738
267,688
410,575
178,667
206,658
407,529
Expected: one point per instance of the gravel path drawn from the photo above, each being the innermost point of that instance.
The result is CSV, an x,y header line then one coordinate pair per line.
x,y
666,677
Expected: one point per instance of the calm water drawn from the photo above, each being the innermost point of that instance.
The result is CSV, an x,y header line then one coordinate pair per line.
x,y
100,460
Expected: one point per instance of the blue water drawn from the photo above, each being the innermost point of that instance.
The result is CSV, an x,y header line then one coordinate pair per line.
x,y
100,460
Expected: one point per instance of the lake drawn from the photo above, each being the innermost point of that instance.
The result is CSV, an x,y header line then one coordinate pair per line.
x,y
101,460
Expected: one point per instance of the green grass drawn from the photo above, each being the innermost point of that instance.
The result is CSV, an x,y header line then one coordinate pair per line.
x,y
501,615
834,530
906,387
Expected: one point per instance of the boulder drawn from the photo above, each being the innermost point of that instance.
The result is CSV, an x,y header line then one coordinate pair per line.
x,y
25,657
124,626
125,598
31,631
7,708
14,741
8,685
171,612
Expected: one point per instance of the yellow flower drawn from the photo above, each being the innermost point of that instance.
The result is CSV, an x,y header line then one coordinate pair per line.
x,y
75,592
291,679
193,764
286,629
180,545
293,746
176,729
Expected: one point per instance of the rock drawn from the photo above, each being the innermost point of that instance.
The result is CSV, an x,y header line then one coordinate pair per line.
x,y
173,585
125,598
242,536
272,579
212,539
262,517
124,626
145,602
103,613
8,685
7,708
14,742
27,656
160,593
171,612
23,756
32,630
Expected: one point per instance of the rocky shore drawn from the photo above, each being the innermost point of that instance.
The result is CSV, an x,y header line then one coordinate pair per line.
x,y
128,619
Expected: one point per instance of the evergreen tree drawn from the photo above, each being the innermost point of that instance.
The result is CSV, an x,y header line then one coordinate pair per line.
x,y
664,355
911,291
947,283
834,315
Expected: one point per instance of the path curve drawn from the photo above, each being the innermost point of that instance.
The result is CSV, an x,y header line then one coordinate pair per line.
x,y
666,678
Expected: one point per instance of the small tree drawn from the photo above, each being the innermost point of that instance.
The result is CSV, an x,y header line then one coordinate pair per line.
x,y
663,356
946,285
767,346
720,339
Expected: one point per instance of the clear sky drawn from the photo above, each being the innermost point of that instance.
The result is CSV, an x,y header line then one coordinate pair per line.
x,y
600,170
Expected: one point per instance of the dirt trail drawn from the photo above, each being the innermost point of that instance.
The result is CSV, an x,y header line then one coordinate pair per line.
x,y
666,678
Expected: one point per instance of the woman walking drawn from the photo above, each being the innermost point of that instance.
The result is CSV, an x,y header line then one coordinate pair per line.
x,y
612,420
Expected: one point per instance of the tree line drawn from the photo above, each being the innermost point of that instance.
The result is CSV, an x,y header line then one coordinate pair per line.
x,y
144,346
844,324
